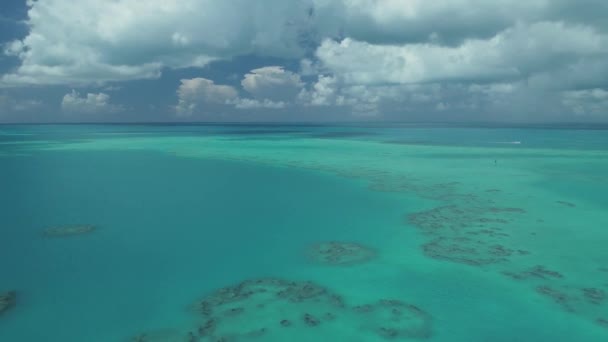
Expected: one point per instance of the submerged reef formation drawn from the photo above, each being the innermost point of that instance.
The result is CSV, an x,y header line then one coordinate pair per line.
x,y
399,320
567,204
69,230
538,271
7,301
277,309
568,294
259,307
477,235
274,307
467,251
472,235
340,253
475,230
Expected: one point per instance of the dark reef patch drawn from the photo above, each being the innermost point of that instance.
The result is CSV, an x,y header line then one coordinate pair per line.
x,y
539,271
69,230
593,295
7,301
475,229
259,307
270,308
454,219
559,297
567,204
472,235
491,232
466,251
340,253
399,320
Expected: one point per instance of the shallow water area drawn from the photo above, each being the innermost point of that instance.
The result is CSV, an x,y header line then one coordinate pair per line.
x,y
448,240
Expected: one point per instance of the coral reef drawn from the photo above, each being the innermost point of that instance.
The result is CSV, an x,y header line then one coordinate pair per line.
x,y
69,230
399,320
559,297
584,301
567,292
466,251
7,301
567,204
271,308
340,253
276,304
472,235
537,271
593,295
474,229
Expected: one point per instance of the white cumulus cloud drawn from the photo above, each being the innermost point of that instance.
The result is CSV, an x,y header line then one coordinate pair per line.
x,y
272,82
90,103
272,87
197,93
363,57
514,53
89,41
244,103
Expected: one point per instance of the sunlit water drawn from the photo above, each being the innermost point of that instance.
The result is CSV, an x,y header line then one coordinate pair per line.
x,y
476,234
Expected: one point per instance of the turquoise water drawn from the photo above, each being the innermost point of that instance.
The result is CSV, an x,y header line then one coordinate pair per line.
x,y
493,234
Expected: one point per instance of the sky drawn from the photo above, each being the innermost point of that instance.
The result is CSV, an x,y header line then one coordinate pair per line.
x,y
303,60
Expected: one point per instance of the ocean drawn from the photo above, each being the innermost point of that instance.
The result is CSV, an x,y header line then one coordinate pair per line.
x,y
268,232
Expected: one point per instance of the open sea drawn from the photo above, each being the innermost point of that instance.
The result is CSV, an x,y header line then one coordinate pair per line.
x,y
164,233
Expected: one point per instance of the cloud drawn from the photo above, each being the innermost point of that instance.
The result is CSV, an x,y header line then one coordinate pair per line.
x,y
107,43
10,105
112,88
446,22
393,58
201,95
26,105
323,93
272,87
93,41
244,103
4,101
200,92
90,104
309,67
273,83
515,53
587,102
359,100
